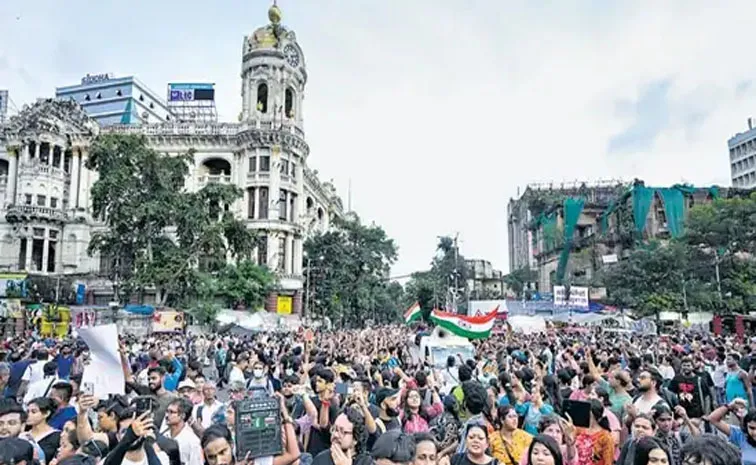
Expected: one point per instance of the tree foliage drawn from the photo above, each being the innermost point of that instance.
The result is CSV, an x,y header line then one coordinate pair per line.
x,y
347,270
670,275
518,279
161,236
446,279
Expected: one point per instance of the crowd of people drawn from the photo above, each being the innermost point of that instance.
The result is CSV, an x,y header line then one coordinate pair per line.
x,y
366,397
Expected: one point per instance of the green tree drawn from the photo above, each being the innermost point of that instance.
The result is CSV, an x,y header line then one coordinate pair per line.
x,y
518,279
158,234
446,279
348,268
650,280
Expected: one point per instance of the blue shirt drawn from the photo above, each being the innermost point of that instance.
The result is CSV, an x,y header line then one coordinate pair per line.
x,y
64,366
171,381
747,451
59,418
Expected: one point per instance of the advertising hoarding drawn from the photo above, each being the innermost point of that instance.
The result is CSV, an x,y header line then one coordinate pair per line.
x,y
190,92
578,297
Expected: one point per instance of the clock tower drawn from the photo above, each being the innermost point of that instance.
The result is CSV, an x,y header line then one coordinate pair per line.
x,y
273,75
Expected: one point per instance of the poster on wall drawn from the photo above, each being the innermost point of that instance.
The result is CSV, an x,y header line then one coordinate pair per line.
x,y
11,308
283,305
168,321
12,285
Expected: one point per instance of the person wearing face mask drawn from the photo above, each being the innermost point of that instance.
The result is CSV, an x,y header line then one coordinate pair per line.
x,y
259,379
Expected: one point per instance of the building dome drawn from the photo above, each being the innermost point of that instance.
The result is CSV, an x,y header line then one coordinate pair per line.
x,y
270,35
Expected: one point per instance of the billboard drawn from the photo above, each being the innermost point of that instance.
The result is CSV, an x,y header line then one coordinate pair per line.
x,y
12,285
190,92
167,322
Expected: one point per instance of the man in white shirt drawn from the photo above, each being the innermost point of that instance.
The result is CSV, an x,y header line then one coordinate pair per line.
x,y
42,387
35,371
205,411
237,369
177,415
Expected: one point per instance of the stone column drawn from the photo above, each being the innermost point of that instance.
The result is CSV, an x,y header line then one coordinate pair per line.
x,y
238,180
27,155
45,254
275,182
300,200
273,251
73,187
62,159
83,201
256,198
298,251
245,97
288,259
29,245
36,150
12,176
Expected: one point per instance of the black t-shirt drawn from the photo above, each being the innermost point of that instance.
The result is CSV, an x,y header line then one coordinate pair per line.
x,y
390,425
320,439
690,393
324,458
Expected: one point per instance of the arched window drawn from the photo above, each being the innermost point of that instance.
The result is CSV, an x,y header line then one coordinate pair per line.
x,y
289,103
262,98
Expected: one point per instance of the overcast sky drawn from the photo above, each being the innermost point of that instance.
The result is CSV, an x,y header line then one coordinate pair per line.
x,y
439,110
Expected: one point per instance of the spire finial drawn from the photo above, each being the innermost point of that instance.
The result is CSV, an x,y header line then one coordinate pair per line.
x,y
274,13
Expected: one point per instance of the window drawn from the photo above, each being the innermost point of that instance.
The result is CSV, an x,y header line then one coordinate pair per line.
x,y
38,245
265,163
262,250
281,254
252,164
98,96
53,234
41,200
262,98
28,199
38,232
282,205
152,106
87,98
141,98
53,202
22,255
51,246
289,103
119,93
263,203
285,167
294,171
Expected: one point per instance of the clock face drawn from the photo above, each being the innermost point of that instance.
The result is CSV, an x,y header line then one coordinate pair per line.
x,y
292,55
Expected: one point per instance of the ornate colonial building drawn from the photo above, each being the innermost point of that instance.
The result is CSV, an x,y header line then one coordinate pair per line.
x,y
46,225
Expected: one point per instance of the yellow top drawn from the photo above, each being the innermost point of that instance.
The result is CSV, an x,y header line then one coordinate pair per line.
x,y
510,453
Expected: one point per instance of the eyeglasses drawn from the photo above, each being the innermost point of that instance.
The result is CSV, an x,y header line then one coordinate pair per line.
x,y
340,431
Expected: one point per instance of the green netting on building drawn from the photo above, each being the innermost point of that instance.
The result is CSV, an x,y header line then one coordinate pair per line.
x,y
573,207
674,208
642,198
550,236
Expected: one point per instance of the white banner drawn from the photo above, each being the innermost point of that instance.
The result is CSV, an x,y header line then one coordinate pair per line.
x,y
104,369
578,297
484,307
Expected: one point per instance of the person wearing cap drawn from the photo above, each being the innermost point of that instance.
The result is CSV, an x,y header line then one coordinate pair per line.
x,y
188,390
388,400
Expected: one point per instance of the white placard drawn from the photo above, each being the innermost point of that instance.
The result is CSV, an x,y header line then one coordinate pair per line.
x,y
578,297
104,368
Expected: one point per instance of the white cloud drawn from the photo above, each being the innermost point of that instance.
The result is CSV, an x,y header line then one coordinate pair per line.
x,y
438,110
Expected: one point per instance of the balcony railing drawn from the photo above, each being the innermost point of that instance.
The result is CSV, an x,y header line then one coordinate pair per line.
x,y
22,212
214,178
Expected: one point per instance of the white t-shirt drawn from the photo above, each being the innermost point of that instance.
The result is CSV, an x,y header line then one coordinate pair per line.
x,y
645,406
40,388
207,412
34,372
189,447
236,375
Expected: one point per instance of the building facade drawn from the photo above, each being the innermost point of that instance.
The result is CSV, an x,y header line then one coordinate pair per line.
x,y
116,100
484,282
742,149
47,223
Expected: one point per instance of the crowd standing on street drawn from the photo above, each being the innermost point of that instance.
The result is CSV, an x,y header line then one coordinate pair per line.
x,y
361,397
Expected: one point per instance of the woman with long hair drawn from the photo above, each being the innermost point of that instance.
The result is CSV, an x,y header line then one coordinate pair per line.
x,y
476,451
595,445
509,443
643,426
544,450
551,394
743,436
415,418
666,434
39,412
563,432
649,451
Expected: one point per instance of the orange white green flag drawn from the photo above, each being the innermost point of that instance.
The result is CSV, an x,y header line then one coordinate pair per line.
x,y
413,313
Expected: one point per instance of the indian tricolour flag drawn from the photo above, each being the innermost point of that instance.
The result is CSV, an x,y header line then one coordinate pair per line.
x,y
471,327
413,313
